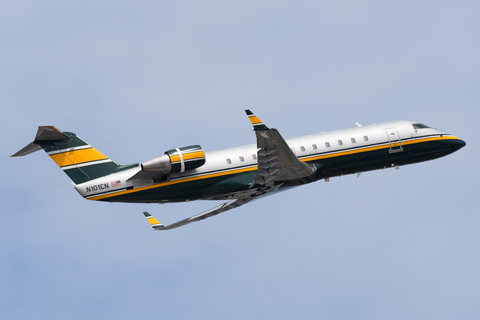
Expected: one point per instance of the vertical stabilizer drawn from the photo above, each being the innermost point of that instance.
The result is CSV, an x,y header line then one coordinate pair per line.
x,y
79,160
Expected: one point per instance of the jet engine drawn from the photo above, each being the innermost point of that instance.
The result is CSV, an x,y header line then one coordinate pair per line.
x,y
177,160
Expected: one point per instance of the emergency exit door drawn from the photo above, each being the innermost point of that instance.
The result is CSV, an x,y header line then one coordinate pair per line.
x,y
394,140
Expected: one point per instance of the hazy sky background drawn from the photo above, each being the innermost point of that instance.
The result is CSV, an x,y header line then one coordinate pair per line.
x,y
137,78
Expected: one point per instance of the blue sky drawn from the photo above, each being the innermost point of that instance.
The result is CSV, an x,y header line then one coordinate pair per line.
x,y
137,78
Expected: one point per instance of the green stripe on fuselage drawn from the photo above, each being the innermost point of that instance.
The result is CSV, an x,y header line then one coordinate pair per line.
x,y
190,190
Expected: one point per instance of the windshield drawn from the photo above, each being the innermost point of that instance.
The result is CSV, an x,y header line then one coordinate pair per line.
x,y
419,126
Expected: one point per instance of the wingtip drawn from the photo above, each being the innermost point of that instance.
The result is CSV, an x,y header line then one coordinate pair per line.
x,y
257,123
156,225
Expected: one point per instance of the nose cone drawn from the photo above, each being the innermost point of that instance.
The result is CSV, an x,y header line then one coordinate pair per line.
x,y
457,144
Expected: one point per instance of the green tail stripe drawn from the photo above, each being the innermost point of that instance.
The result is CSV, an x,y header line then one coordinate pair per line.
x,y
73,141
94,171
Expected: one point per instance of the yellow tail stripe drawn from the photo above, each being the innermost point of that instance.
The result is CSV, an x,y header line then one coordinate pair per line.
x,y
76,157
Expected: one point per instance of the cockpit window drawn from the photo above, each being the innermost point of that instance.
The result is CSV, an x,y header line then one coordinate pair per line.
x,y
420,126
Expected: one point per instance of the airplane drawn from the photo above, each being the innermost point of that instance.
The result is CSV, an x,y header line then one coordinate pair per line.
x,y
240,175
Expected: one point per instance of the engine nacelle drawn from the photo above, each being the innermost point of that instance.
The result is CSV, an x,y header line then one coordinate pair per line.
x,y
177,160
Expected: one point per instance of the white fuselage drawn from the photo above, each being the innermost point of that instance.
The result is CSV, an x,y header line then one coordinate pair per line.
x,y
305,148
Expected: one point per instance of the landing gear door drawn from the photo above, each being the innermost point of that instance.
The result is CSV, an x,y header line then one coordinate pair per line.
x,y
394,140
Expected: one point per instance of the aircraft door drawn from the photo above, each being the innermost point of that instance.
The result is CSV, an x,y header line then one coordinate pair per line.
x,y
394,140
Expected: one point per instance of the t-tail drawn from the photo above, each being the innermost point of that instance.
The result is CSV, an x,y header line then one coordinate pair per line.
x,y
79,160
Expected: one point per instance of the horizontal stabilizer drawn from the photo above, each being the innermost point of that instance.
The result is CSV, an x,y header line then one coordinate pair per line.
x,y
29,148
49,133
44,133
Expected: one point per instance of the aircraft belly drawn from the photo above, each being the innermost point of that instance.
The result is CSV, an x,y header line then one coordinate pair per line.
x,y
190,190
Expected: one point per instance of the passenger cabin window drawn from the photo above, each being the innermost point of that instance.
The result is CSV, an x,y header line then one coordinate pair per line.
x,y
365,138
314,146
419,126
340,142
302,148
241,159
327,144
229,161
353,140
254,156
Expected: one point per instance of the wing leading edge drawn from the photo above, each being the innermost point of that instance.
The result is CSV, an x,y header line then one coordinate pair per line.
x,y
276,164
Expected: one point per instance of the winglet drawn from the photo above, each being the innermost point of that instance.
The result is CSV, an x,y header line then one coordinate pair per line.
x,y
156,225
257,124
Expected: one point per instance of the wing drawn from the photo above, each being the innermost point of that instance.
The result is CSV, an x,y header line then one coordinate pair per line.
x,y
276,164
276,161
232,204
156,225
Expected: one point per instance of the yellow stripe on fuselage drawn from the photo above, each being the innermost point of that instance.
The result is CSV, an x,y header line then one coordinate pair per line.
x,y
77,156
377,148
207,176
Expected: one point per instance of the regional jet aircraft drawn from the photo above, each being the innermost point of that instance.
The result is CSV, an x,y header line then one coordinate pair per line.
x,y
240,175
